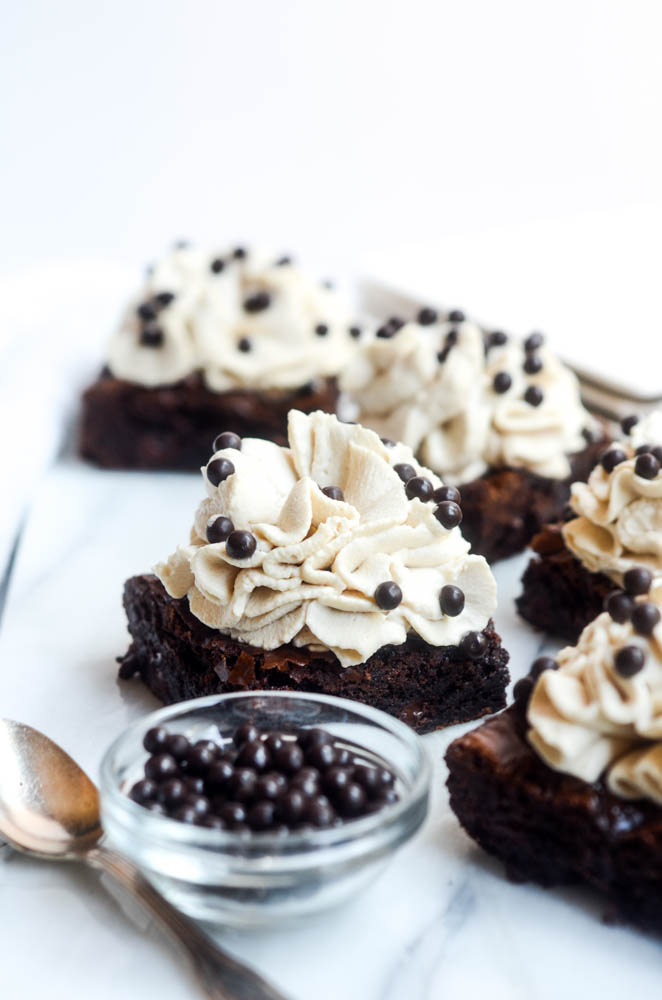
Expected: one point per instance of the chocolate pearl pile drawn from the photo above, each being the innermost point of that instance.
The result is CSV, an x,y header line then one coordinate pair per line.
x,y
261,781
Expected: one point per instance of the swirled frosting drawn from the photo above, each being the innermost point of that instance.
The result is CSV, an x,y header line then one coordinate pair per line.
x,y
619,522
588,720
433,387
318,562
241,320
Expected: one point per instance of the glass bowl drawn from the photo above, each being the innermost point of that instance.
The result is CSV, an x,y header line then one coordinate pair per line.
x,y
254,879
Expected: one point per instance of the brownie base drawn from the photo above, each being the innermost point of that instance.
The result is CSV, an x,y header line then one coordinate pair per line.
x,y
504,508
554,829
560,595
428,687
128,426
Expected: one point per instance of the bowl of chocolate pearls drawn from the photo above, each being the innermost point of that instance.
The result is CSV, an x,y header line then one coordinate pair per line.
x,y
245,809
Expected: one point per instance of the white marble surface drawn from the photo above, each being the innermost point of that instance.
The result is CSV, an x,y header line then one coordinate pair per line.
x,y
441,922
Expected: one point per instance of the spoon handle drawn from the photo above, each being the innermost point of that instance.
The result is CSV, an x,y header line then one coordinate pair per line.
x,y
221,976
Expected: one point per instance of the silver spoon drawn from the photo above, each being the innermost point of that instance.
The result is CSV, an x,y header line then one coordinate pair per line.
x,y
49,808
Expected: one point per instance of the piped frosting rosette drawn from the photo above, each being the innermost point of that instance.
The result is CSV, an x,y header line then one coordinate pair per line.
x,y
241,319
619,522
334,543
600,713
465,401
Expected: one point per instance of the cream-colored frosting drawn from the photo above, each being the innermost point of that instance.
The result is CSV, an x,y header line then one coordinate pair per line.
x,y
206,322
587,720
620,514
448,411
312,578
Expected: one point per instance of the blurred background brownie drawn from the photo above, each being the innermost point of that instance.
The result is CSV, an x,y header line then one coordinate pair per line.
x,y
214,340
499,417
612,535
326,567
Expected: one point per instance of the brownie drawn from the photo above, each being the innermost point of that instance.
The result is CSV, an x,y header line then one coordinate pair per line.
x,y
552,828
428,687
560,595
130,426
505,507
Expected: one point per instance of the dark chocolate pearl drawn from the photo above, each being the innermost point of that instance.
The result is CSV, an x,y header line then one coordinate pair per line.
x,y
247,733
319,811
186,814
161,766
173,792
522,692
254,755
196,786
309,738
534,341
419,486
642,449
307,780
647,466
156,740
540,665
227,440
611,458
242,783
241,545
343,756
199,804
644,618
427,316
451,600
151,336
456,316
164,299
336,778
199,760
283,261
385,332
629,660
627,423
447,493
232,813
289,759
473,645
502,382
451,338
291,805
388,797
405,471
270,786
273,742
213,823
387,442
321,756
218,470
321,329
533,395
355,332
637,581
368,778
146,311
218,529
388,595
619,606
333,493
239,253
217,265
497,338
143,791
532,364
178,746
448,513
261,815
244,345
350,798
257,303
219,773
210,745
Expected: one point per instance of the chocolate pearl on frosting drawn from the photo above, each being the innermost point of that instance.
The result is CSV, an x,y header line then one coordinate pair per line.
x,y
257,303
502,382
244,345
642,449
627,423
396,323
540,665
151,336
405,471
619,606
534,341
239,253
419,486
227,439
163,299
497,339
647,466
645,617
637,581
217,265
385,332
218,470
611,458
427,316
388,595
283,261
333,493
534,395
473,645
241,545
451,600
355,332
321,329
387,442
449,514
218,529
451,338
532,364
629,660
146,311
447,493
456,316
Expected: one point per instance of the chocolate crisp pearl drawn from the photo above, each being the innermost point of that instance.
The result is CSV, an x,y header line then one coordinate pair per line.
x,y
539,666
611,458
534,395
321,329
427,316
333,493
456,316
164,299
257,303
218,470
387,442
240,253
217,265
447,493
254,755
241,545
388,595
289,758
532,364
627,423
448,514
405,471
151,336
245,345
144,791
629,660
178,746
161,766
227,439
642,449
355,332
502,382
534,341
497,338
451,600
473,645
385,332
247,733
218,529
644,618
647,466
637,581
419,486
619,606
156,740
146,311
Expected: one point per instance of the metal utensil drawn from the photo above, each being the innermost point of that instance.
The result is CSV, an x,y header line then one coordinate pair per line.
x,y
49,808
